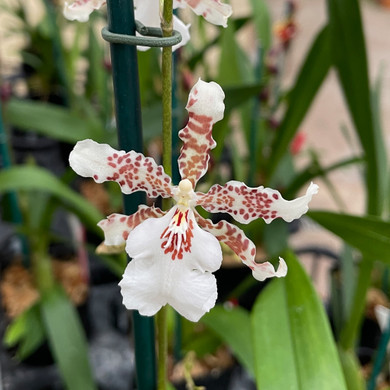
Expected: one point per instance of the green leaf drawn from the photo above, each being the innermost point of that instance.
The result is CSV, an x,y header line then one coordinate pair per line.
x,y
36,178
51,120
292,340
234,66
231,325
310,77
262,19
237,95
26,331
350,59
315,169
369,234
67,341
352,370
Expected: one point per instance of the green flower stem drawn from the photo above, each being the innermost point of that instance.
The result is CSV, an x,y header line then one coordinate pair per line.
x,y
41,263
58,54
162,341
167,29
350,330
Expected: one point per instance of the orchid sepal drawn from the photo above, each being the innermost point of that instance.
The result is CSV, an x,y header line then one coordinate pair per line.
x,y
205,107
243,247
132,171
246,204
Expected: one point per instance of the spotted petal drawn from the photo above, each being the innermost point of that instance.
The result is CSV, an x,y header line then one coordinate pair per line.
x,y
245,204
212,10
205,107
156,276
133,171
116,227
243,247
81,9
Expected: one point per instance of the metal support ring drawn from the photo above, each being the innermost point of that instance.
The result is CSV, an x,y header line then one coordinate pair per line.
x,y
151,37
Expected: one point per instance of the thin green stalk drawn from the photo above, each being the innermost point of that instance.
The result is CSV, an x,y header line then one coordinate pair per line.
x,y
162,341
254,126
41,263
58,54
167,29
350,330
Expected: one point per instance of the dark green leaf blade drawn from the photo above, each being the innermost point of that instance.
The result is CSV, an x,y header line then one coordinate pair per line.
x,y
311,75
293,344
349,56
51,120
232,327
369,234
36,178
262,19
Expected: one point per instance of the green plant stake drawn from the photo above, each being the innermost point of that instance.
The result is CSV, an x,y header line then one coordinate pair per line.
x,y
128,119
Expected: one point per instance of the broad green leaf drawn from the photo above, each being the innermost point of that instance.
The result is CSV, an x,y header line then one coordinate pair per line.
x,y
67,340
369,234
262,19
34,335
310,77
36,178
350,59
234,66
51,120
293,345
26,331
237,95
232,326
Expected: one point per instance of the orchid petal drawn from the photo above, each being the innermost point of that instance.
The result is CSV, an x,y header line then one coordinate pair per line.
x,y
205,107
262,271
155,277
243,247
382,315
81,9
147,12
132,171
213,11
246,204
116,227
183,29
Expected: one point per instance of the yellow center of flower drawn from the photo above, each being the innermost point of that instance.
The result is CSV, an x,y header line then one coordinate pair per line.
x,y
185,193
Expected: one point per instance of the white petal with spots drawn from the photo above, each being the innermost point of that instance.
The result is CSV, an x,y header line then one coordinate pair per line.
x,y
246,204
132,171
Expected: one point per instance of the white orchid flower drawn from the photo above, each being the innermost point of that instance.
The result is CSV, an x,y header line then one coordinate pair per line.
x,y
148,13
175,252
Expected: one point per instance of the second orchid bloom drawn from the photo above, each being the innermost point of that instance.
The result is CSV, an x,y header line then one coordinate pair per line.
x,y
148,13
174,253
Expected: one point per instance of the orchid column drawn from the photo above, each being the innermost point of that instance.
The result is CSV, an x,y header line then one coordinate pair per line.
x,y
128,120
